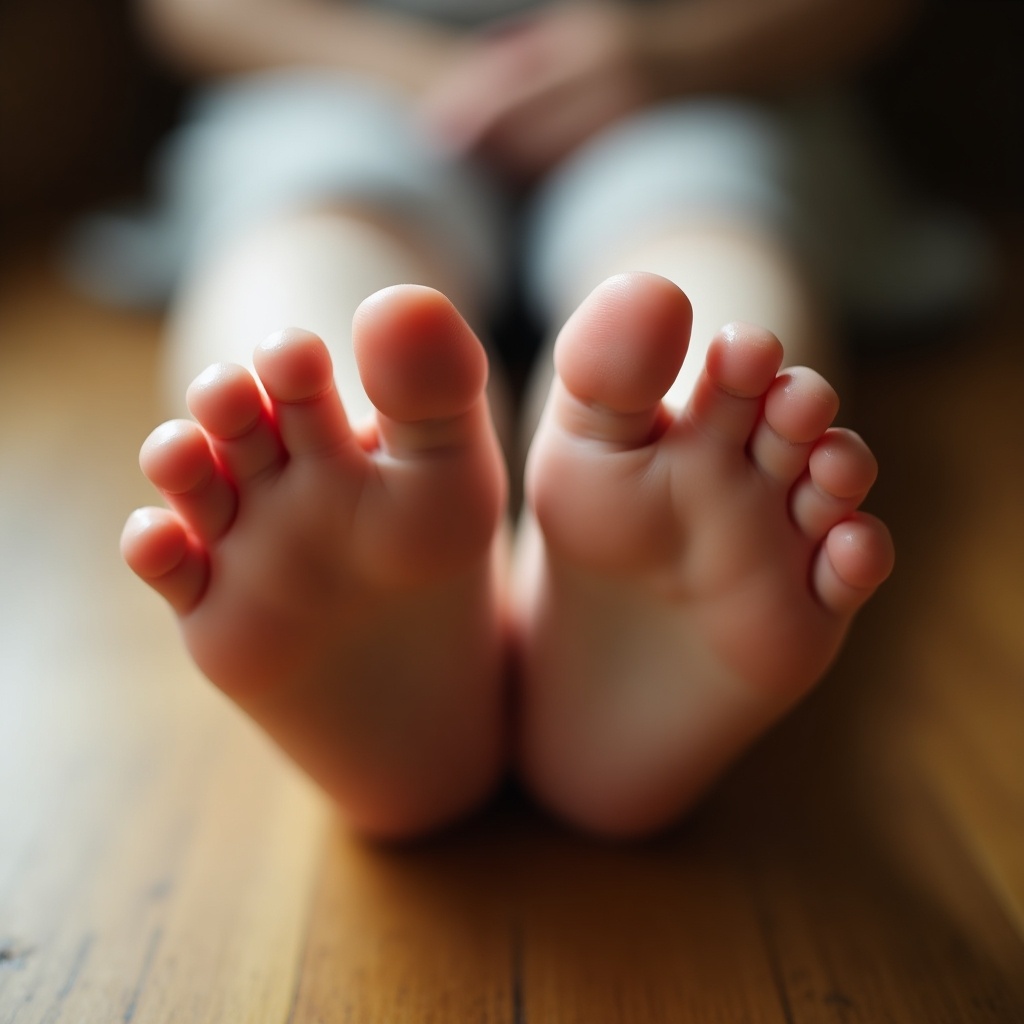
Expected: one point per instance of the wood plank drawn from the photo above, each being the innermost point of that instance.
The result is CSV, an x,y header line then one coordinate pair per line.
x,y
160,862
411,933
156,856
661,932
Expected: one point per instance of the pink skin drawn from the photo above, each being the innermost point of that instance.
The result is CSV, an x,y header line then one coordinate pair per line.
x,y
295,552
692,574
681,580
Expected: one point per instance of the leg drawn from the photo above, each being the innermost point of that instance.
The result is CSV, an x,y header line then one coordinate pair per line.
x,y
686,568
340,585
309,268
730,271
704,193
683,576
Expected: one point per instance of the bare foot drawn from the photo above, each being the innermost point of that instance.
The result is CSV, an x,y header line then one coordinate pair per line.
x,y
684,578
340,586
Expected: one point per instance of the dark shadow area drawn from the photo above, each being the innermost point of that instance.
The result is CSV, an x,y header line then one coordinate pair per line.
x,y
81,106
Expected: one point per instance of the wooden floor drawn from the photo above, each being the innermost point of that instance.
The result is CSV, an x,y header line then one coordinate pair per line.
x,y
159,862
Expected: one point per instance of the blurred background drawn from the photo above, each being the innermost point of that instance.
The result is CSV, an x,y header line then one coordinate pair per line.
x,y
82,104
158,859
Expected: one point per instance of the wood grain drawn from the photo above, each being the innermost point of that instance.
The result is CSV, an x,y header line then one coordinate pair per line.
x,y
160,862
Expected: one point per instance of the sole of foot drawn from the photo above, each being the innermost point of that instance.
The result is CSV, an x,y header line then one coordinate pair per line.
x,y
340,584
684,577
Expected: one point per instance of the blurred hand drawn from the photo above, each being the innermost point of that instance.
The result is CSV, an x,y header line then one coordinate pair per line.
x,y
530,91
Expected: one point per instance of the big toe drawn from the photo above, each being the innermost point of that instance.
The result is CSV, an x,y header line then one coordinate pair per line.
x,y
444,485
422,366
618,355
594,482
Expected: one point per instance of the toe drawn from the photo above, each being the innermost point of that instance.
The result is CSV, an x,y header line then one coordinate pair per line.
x,y
178,461
617,356
442,478
856,556
226,401
840,473
798,409
296,372
595,482
741,365
423,369
159,550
